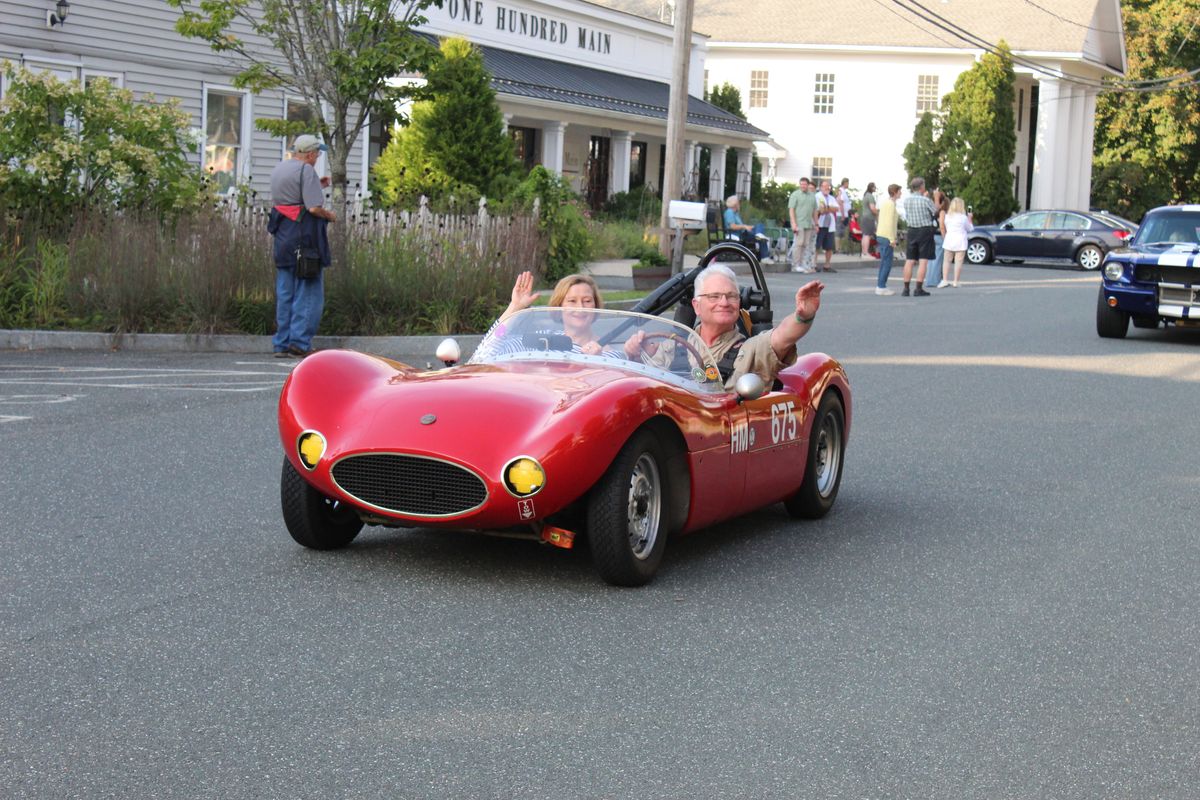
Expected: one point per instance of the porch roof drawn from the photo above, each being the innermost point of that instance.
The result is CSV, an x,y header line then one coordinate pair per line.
x,y
522,75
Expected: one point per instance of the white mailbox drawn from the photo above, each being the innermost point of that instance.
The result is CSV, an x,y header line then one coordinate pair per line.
x,y
685,214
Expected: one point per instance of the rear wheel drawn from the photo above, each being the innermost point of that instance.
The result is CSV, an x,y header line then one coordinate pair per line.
x,y
1111,323
823,470
313,519
627,513
1089,257
979,251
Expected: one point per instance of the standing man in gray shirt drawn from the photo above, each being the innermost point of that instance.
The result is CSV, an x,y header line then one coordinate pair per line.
x,y
920,215
298,222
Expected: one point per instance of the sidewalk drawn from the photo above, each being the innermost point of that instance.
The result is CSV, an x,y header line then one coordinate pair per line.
x,y
417,350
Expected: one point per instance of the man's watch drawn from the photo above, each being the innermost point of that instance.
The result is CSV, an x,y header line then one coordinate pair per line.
x,y
804,321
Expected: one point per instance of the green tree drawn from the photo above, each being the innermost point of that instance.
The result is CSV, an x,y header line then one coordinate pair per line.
x,y
923,156
67,149
726,96
339,55
1145,150
455,141
979,139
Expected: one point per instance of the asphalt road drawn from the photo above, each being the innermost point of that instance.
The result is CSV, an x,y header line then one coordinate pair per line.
x,y
1003,603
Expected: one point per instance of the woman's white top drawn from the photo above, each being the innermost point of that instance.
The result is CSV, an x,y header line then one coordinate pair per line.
x,y
957,228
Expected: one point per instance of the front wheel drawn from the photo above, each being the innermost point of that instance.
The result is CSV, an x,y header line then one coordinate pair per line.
x,y
979,251
627,517
1089,257
823,470
313,519
1111,323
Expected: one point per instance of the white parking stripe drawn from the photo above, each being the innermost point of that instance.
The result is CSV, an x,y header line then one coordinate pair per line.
x,y
208,380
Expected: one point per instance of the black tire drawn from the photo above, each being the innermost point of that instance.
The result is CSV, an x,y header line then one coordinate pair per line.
x,y
979,251
1148,321
1111,323
823,469
313,519
1089,257
628,513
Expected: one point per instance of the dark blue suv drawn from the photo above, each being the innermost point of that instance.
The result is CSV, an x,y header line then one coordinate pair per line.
x,y
1156,279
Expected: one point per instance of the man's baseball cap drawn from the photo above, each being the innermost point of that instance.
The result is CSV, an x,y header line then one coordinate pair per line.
x,y
307,143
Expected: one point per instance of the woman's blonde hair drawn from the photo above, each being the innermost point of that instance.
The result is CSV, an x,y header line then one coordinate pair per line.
x,y
563,286
957,206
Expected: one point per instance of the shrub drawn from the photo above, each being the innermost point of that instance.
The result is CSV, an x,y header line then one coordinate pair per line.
x,y
560,219
639,204
68,149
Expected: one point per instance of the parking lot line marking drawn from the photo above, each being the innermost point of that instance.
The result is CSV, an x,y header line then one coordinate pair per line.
x,y
162,378
9,418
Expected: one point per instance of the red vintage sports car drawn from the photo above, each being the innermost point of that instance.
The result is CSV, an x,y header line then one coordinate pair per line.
x,y
533,437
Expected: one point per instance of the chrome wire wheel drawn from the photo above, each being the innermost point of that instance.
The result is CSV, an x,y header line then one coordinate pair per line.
x,y
644,506
828,456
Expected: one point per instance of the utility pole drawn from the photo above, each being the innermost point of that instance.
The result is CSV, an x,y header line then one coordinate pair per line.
x,y
672,188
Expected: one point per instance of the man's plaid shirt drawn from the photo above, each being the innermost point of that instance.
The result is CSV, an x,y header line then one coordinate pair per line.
x,y
919,211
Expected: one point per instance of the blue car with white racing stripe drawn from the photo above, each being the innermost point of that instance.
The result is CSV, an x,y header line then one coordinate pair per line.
x,y
1156,279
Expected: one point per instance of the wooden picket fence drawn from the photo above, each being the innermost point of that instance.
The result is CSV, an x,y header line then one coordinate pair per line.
x,y
511,237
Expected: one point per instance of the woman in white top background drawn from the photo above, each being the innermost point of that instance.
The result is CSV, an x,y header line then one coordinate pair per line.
x,y
954,244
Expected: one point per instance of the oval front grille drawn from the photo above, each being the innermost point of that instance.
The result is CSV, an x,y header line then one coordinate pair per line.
x,y
423,487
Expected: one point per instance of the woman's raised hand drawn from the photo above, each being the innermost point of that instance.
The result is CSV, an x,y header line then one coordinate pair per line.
x,y
522,295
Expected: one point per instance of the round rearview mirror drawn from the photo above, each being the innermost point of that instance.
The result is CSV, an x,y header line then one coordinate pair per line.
x,y
750,387
448,352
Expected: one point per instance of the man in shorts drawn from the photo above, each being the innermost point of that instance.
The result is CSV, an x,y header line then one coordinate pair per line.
x,y
921,217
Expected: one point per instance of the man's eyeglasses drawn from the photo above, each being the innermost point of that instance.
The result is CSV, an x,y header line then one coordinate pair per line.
x,y
716,297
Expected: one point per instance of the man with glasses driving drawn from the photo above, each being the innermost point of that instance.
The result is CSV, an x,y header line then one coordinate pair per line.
x,y
718,308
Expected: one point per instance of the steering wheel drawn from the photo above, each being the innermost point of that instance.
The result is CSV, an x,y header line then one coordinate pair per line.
x,y
675,338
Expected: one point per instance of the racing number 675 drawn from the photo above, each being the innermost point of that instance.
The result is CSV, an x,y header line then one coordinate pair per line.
x,y
783,422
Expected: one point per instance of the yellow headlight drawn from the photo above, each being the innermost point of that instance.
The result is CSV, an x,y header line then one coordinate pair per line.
x,y
310,446
524,477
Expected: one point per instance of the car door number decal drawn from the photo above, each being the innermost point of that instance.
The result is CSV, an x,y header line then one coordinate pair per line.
x,y
783,422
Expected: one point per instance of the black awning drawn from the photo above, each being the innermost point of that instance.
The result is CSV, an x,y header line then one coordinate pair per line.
x,y
522,75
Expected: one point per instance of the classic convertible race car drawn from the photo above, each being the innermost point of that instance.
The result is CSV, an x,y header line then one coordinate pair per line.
x,y
535,438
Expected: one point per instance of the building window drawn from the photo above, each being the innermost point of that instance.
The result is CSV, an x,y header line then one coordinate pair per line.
x,y
299,111
223,132
823,93
524,145
758,88
822,170
91,76
637,164
927,94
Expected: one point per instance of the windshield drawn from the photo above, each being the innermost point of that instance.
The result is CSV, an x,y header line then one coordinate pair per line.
x,y
668,351
1170,228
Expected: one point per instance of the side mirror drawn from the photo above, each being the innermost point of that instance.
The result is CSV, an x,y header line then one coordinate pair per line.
x,y
448,352
750,387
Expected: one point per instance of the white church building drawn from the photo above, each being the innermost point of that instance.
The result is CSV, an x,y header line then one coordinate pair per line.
x,y
840,86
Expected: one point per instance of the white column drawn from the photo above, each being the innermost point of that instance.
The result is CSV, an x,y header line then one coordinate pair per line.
x,y
622,143
716,177
553,138
1045,155
1086,139
1069,196
744,163
507,121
